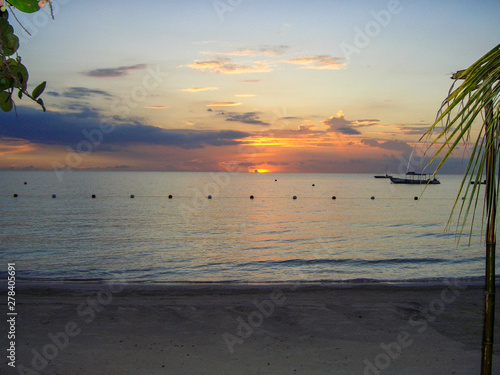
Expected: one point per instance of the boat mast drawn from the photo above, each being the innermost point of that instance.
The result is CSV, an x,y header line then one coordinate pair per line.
x,y
409,160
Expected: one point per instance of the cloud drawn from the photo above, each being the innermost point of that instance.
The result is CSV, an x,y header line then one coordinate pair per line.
x,y
248,164
199,89
157,107
370,142
307,128
223,104
122,167
335,122
318,62
348,131
114,72
15,168
225,66
14,146
79,93
411,129
53,128
392,145
82,110
365,123
247,118
245,95
339,124
222,62
275,163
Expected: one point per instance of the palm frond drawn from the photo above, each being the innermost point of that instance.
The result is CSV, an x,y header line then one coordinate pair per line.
x,y
460,114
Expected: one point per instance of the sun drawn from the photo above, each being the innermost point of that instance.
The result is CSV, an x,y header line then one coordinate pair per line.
x,y
260,170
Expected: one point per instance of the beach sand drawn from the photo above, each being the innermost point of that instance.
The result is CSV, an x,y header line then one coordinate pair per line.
x,y
115,328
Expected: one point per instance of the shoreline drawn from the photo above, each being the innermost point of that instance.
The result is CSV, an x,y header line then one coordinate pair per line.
x,y
117,328
469,281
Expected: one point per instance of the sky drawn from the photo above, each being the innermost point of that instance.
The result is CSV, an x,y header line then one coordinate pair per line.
x,y
240,85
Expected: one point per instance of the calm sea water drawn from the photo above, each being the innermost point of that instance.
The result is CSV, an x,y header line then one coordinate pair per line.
x,y
230,238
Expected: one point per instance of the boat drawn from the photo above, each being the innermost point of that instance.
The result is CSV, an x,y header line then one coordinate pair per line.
x,y
414,178
383,176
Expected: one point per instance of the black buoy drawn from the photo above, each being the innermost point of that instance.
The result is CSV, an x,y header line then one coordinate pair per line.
x,y
294,197
334,197
372,197
93,196
209,197
251,196
15,195
275,180
54,196
132,196
314,185
415,198
170,196
25,183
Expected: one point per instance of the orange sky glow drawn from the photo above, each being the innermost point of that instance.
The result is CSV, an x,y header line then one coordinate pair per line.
x,y
263,87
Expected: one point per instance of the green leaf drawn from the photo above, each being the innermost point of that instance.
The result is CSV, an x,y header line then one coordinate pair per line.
x,y
10,42
37,91
5,83
26,6
20,94
40,101
5,101
20,72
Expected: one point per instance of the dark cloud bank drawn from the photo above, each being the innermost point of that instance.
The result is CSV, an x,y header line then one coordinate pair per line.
x,y
52,128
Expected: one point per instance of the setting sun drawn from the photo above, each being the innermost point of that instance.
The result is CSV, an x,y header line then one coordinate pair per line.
x,y
221,96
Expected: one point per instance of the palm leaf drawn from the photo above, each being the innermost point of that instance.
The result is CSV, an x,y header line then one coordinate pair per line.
x,y
477,98
460,114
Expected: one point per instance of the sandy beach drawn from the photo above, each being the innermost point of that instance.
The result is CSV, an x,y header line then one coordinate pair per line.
x,y
118,328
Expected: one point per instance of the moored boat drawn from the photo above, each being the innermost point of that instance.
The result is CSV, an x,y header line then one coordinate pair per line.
x,y
383,176
414,178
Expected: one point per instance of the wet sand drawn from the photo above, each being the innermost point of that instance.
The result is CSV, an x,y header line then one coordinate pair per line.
x,y
117,328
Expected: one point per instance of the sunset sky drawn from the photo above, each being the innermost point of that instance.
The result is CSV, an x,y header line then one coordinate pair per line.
x,y
239,85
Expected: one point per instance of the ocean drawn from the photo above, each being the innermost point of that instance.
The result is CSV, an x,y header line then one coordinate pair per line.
x,y
161,227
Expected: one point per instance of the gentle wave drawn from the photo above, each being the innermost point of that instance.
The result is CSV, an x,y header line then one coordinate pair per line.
x,y
293,262
294,284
